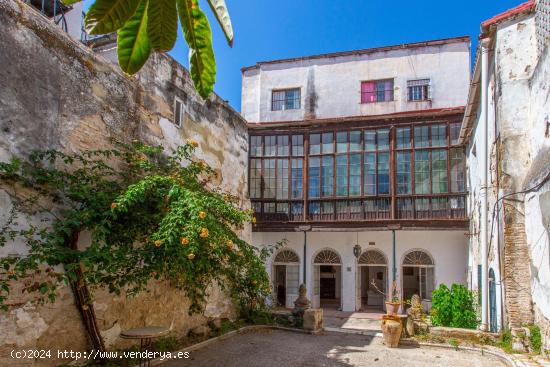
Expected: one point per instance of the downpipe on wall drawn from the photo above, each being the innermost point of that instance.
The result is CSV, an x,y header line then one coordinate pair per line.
x,y
484,189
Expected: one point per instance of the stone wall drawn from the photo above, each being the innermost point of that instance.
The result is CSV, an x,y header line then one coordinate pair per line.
x,y
57,94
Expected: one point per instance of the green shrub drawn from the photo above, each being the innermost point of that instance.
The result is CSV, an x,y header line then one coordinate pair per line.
x,y
453,307
535,338
166,344
505,341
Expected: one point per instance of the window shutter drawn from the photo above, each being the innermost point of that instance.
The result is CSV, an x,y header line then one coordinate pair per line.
x,y
367,92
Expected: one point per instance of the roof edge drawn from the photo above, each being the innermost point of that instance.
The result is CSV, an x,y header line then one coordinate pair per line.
x,y
524,8
436,42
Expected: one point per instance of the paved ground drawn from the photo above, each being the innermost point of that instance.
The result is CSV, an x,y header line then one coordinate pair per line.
x,y
276,348
361,321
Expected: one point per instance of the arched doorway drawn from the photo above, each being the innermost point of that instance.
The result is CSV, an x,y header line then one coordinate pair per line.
x,y
418,276
327,279
286,278
372,268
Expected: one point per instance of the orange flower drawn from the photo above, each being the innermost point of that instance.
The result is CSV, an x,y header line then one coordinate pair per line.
x,y
113,206
204,233
253,220
191,256
193,142
184,241
153,274
202,215
157,243
230,244
225,258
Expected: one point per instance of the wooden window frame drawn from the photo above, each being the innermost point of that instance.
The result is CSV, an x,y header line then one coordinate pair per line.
x,y
396,209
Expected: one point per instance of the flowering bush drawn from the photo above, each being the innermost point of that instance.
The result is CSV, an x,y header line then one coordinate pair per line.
x,y
150,215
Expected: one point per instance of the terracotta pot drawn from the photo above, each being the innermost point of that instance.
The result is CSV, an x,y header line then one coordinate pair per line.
x,y
392,307
391,328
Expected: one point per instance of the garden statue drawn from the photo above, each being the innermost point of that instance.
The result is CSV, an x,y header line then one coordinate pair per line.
x,y
302,303
415,315
415,311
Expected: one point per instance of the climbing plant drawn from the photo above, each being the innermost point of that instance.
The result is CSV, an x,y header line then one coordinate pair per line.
x,y
144,26
146,215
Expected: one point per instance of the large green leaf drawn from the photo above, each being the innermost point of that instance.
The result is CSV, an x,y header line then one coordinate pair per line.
x,y
106,16
198,36
222,14
162,24
133,45
70,2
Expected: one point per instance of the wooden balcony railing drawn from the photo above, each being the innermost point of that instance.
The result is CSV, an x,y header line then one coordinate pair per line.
x,y
421,208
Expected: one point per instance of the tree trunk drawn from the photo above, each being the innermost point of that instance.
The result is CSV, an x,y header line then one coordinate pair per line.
x,y
84,302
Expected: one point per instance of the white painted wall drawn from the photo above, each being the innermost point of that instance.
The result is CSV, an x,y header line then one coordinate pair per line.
x,y
337,82
448,248
74,20
519,106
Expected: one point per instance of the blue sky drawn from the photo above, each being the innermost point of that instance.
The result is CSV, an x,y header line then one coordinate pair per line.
x,y
267,30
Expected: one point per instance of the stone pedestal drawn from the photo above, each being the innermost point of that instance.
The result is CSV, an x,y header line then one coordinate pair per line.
x,y
313,319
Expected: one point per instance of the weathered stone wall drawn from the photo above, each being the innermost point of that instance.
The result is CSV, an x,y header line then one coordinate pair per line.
x,y
519,138
516,58
57,94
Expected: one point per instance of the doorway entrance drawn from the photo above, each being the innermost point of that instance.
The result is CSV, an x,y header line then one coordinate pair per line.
x,y
327,280
418,277
286,277
373,279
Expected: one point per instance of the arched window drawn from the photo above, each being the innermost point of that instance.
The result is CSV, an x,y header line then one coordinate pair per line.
x,y
287,256
327,257
373,257
418,258
418,275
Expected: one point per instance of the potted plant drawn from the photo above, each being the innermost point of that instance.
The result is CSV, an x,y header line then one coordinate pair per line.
x,y
393,302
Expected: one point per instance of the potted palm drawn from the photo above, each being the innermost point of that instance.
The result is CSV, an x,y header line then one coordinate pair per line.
x,y
393,302
391,323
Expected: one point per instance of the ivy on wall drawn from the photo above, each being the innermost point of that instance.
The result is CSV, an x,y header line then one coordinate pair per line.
x,y
151,215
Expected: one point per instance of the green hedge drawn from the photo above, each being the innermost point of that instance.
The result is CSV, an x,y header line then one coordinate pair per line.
x,y
453,307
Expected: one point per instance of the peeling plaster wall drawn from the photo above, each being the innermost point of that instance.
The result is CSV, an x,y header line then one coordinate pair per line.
x,y
331,86
537,203
519,105
60,95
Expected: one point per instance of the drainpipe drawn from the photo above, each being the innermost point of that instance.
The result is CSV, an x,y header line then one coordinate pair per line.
x,y
483,137
305,253
394,268
305,229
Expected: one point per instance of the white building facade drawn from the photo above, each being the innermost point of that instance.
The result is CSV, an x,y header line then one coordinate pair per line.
x,y
356,168
506,130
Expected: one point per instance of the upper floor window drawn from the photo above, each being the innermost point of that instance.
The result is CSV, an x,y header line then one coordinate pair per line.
x,y
178,112
377,91
287,99
419,90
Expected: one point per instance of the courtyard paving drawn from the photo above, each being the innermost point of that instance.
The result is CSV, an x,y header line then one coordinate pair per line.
x,y
275,348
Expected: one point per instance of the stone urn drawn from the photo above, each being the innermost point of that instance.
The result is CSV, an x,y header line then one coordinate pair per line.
x,y
391,328
302,303
392,307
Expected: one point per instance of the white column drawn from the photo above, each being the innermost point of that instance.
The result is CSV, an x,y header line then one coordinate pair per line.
x,y
483,139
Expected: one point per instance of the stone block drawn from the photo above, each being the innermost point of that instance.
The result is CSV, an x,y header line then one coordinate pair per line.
x,y
202,330
313,319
